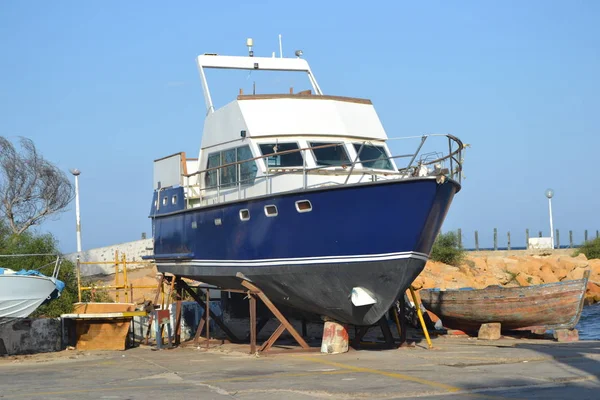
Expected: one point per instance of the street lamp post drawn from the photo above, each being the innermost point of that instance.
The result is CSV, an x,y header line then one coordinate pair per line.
x,y
549,195
76,174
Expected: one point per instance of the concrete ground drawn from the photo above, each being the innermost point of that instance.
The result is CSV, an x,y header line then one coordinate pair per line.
x,y
457,368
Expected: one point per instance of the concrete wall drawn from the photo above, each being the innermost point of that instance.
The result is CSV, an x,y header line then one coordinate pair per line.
x,y
30,335
134,251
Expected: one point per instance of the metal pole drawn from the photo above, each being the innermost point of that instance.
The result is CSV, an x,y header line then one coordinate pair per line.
x,y
78,279
495,239
527,238
459,238
476,240
585,236
571,239
77,213
508,243
304,183
557,239
551,225
239,176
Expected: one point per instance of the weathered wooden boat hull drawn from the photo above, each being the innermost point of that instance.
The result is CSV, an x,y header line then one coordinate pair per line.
x,y
548,306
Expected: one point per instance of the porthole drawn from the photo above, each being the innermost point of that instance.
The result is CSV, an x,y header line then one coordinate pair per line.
x,y
155,203
303,206
271,210
218,222
164,202
174,199
245,214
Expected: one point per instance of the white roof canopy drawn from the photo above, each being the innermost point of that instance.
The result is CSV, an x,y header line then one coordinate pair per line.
x,y
251,63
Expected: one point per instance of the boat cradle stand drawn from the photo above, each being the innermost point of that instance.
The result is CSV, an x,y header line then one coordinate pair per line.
x,y
253,293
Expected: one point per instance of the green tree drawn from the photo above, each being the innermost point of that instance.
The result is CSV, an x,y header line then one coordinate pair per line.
x,y
447,249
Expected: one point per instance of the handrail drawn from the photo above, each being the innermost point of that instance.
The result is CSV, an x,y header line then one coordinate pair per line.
x,y
452,155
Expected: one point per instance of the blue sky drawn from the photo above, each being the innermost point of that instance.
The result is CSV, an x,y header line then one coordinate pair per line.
x,y
108,87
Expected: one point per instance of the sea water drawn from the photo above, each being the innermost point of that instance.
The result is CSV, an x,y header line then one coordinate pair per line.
x,y
589,323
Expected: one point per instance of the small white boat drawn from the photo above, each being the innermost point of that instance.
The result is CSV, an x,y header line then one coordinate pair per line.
x,y
22,292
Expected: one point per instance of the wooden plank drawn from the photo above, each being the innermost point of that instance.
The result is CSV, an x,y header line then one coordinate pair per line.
x,y
252,324
125,314
276,313
267,345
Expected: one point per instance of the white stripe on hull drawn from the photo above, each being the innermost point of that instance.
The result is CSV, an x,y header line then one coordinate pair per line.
x,y
302,260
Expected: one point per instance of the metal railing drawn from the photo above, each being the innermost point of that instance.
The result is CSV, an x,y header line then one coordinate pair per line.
x,y
418,165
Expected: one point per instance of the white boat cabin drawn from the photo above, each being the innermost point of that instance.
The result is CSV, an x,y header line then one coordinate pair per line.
x,y
261,144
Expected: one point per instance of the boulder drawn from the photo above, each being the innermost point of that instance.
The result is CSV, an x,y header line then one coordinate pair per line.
x,y
335,338
489,331
570,263
566,335
577,273
479,263
496,264
524,280
547,275
592,293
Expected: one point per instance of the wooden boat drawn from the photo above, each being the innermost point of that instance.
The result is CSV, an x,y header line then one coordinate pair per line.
x,y
548,306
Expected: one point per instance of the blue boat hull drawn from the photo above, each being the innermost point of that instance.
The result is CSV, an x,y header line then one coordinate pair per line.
x,y
376,236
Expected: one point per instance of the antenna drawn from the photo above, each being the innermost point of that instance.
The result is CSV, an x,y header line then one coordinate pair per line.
x,y
280,47
250,43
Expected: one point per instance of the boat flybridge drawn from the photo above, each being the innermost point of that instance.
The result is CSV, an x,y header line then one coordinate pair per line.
x,y
301,194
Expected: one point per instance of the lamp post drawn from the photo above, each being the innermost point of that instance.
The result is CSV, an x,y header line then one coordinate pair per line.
x,y
76,174
549,195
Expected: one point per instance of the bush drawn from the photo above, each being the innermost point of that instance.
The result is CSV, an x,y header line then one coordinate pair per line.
x,y
32,243
447,249
591,249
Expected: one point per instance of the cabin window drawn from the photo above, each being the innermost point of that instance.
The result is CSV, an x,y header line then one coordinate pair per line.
x,y
214,160
248,168
245,214
330,156
155,203
174,199
303,206
373,156
165,201
284,160
271,210
228,176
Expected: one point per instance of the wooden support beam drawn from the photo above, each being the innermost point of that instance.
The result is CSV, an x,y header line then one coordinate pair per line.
x,y
284,322
177,330
267,345
252,324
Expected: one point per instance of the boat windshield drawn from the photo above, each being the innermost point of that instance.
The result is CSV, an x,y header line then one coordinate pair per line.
x,y
228,176
330,156
284,160
373,156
